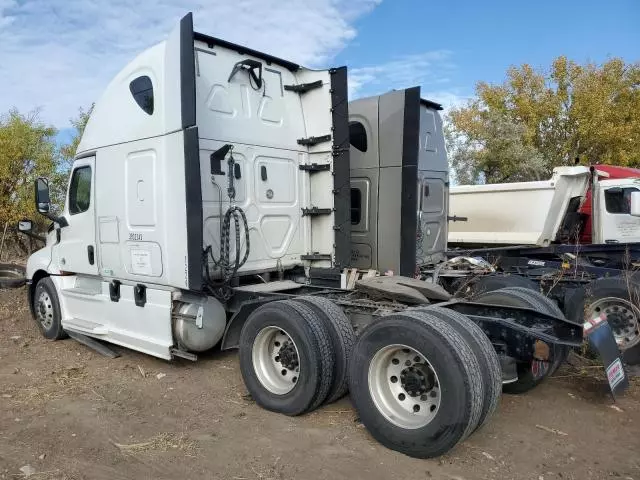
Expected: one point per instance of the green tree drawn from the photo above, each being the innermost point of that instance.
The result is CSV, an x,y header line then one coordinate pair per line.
x,y
79,123
536,120
27,151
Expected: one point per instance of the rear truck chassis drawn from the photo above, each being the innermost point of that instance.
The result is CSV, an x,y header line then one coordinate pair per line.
x,y
513,331
519,336
571,276
437,371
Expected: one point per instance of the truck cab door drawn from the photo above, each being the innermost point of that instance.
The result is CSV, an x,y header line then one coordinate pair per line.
x,y
76,251
614,222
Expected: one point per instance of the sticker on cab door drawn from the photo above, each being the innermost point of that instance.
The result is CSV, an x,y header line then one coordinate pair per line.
x,y
141,262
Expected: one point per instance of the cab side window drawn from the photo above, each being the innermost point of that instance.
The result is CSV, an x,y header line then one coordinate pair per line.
x,y
618,200
80,190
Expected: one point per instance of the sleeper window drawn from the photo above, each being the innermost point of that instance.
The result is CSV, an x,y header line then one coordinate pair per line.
x,y
358,136
80,190
142,90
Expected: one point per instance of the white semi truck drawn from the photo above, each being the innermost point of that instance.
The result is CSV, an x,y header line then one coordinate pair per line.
x,y
210,203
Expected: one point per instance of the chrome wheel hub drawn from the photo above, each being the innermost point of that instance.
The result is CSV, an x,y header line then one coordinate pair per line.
x,y
44,310
623,317
275,360
404,386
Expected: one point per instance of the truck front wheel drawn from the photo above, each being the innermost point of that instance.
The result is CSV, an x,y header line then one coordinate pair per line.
x,y
46,310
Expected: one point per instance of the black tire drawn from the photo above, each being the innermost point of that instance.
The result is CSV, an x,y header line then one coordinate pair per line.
x,y
46,310
314,351
484,351
560,352
530,374
626,289
12,276
458,372
342,337
489,283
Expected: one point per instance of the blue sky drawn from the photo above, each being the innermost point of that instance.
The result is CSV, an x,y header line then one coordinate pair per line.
x,y
484,38
58,55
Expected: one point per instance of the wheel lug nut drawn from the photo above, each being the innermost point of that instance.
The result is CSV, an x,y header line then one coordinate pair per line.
x,y
424,398
416,359
395,361
407,363
283,372
394,379
401,397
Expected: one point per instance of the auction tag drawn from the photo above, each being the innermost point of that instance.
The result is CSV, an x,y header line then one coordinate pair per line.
x,y
601,339
615,373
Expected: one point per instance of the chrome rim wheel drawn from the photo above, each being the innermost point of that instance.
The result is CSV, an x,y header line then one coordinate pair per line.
x,y
623,317
404,386
275,360
44,310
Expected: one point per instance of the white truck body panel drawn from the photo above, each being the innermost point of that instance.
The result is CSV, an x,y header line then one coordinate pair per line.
x,y
523,213
613,222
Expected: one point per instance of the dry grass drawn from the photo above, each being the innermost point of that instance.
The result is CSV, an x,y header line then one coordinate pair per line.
x,y
63,382
162,442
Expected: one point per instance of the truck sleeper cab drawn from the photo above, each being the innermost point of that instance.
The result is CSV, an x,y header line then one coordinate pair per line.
x,y
213,181
148,195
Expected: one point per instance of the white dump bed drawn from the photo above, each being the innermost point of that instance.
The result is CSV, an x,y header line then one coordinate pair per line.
x,y
524,213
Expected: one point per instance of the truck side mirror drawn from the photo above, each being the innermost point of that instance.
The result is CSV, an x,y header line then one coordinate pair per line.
x,y
635,204
43,200
25,226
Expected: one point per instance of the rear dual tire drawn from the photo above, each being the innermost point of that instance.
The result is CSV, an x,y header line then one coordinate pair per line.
x,y
294,354
534,372
485,353
286,357
416,383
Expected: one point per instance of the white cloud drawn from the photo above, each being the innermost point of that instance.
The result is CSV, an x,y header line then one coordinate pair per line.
x,y
430,70
60,54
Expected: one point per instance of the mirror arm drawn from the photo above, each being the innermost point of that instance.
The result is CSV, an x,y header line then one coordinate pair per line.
x,y
61,221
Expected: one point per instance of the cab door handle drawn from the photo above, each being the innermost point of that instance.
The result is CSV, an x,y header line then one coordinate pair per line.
x,y
91,254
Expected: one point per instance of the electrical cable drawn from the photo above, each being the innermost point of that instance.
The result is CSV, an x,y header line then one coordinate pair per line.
x,y
227,267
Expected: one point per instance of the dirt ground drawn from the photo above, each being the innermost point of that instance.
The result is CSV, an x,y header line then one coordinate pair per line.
x,y
69,413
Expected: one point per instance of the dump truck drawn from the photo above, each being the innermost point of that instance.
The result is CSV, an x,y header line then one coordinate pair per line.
x,y
557,210
210,204
535,230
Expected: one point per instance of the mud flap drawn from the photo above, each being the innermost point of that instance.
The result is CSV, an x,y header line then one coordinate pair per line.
x,y
601,339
